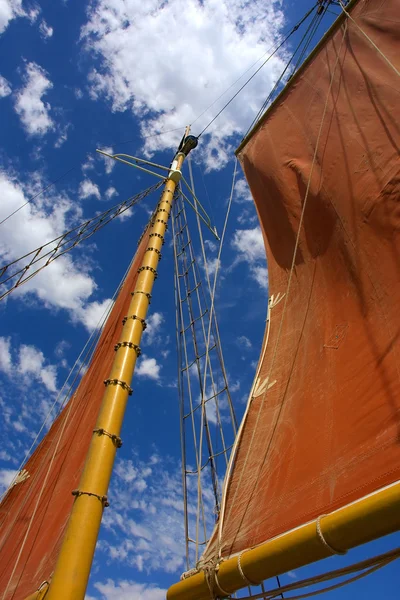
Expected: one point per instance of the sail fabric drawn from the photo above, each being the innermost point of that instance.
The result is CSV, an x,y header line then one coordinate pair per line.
x,y
322,427
58,461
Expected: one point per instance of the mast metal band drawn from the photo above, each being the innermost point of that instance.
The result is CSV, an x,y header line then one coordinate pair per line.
x,y
157,235
135,318
115,438
140,292
103,499
123,384
148,269
155,250
324,541
128,345
162,221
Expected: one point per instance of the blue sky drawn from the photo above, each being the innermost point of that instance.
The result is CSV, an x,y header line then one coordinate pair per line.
x,y
76,76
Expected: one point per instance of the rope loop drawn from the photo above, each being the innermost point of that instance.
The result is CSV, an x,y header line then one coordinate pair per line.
x,y
240,568
323,539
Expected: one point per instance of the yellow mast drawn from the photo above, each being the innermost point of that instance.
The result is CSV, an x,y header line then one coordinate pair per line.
x,y
74,562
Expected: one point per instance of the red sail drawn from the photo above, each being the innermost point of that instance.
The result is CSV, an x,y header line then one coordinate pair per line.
x,y
30,545
323,426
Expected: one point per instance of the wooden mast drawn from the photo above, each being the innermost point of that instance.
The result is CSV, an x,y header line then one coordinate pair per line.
x,y
74,562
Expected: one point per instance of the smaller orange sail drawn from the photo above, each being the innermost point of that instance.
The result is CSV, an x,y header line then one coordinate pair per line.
x,y
35,511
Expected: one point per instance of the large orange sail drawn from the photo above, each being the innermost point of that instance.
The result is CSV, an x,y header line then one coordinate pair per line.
x,y
322,427
34,513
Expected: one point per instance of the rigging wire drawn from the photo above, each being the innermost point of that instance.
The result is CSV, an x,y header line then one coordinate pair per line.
x,y
47,187
316,20
292,31
64,243
38,194
237,80
385,58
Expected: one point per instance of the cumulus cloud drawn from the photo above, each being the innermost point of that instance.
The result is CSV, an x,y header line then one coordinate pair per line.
x,y
5,87
92,314
87,189
242,191
10,9
129,590
244,342
109,163
145,529
148,367
152,331
210,45
29,106
6,477
63,284
29,362
5,354
110,193
45,30
250,248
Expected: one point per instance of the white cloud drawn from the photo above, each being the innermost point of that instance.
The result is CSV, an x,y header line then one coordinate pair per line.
x,y
148,367
29,362
10,9
152,331
210,45
93,313
260,274
110,193
5,354
87,189
212,265
6,477
64,283
244,342
5,87
45,30
147,506
63,136
212,246
129,590
249,245
89,164
109,163
126,214
242,191
29,106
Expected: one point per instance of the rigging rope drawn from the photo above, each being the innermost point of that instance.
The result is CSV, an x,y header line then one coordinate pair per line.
x,y
63,244
37,195
206,341
310,31
214,316
292,31
367,567
385,58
